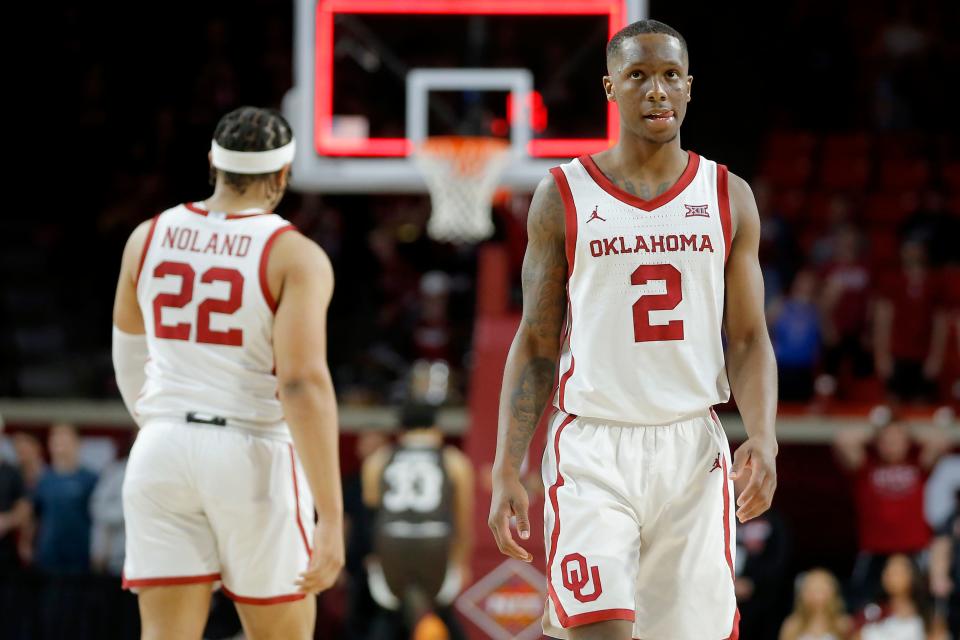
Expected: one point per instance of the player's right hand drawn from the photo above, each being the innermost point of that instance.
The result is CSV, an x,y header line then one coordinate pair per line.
x,y
326,561
510,500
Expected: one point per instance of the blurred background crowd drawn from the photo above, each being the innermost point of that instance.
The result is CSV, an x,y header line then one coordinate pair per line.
x,y
840,116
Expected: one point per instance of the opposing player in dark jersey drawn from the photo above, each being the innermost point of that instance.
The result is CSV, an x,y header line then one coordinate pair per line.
x,y
422,493
639,511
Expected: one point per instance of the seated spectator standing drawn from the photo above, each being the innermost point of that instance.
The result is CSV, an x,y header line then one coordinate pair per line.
x,y
889,471
911,327
62,504
795,329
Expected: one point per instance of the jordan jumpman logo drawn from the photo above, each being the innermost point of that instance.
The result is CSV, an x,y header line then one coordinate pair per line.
x,y
595,216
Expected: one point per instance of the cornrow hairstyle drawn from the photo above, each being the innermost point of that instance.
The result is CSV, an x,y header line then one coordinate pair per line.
x,y
640,27
249,129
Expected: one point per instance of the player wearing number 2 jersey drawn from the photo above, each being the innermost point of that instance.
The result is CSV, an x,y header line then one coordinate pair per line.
x,y
638,258
219,351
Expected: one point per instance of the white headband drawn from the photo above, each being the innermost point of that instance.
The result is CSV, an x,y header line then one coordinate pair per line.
x,y
250,162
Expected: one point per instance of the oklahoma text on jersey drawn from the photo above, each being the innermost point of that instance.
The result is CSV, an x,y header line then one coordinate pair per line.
x,y
646,290
650,244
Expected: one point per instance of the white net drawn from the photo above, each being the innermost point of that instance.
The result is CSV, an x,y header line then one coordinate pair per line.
x,y
462,174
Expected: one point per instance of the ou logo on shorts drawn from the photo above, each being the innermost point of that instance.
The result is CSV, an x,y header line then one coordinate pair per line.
x,y
575,577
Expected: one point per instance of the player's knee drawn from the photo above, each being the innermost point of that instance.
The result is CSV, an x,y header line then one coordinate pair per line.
x,y
606,630
287,621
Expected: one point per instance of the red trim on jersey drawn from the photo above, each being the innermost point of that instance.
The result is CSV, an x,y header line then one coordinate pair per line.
x,y
693,162
570,217
735,630
264,257
555,534
168,581
562,385
735,633
723,197
192,206
296,498
146,247
290,597
596,616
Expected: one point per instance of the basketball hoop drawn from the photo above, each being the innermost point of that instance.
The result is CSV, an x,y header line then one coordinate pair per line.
x,y
462,174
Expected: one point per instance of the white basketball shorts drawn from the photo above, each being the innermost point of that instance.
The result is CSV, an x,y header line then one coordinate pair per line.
x,y
215,504
639,526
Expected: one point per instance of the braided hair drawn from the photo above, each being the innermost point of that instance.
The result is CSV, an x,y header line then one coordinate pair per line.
x,y
249,129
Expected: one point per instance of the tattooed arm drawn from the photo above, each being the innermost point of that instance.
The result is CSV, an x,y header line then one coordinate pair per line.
x,y
751,365
528,374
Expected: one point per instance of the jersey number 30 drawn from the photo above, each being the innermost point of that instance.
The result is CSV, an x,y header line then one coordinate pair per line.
x,y
412,485
181,330
643,331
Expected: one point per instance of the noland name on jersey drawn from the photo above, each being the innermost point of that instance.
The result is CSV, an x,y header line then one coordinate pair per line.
x,y
650,244
186,239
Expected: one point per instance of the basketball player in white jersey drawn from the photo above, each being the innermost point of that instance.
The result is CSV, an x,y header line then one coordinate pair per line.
x,y
644,253
220,355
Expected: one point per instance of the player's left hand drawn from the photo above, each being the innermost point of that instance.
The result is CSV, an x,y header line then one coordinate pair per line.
x,y
326,561
756,458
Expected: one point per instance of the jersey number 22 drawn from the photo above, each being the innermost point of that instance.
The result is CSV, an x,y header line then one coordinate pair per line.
x,y
181,331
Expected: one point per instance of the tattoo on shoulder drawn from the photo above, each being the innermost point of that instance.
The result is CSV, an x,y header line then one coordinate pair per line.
x,y
544,273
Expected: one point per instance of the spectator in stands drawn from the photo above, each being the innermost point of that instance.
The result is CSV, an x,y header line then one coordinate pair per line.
x,y
933,224
107,539
118,607
903,610
910,327
62,505
763,550
29,459
14,513
819,611
795,330
889,469
939,498
945,571
844,299
837,225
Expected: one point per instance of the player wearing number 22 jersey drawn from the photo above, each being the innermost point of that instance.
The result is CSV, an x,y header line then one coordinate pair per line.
x,y
219,350
638,258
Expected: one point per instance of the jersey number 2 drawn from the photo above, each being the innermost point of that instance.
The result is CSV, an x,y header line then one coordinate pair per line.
x,y
643,331
181,331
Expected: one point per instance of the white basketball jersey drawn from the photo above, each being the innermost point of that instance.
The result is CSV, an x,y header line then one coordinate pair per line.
x,y
646,290
208,314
